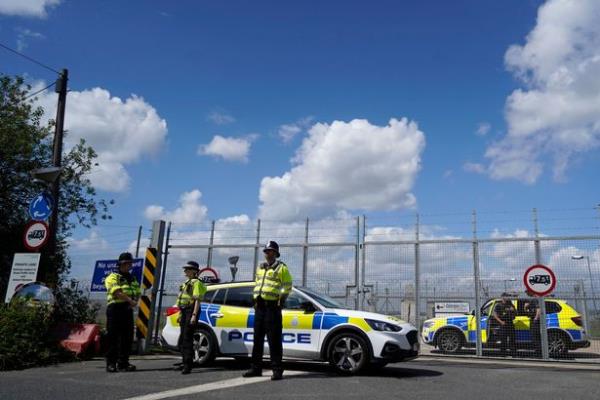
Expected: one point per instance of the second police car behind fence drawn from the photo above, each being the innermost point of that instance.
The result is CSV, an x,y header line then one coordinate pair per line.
x,y
315,327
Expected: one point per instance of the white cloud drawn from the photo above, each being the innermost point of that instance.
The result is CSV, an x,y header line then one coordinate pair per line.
x,y
345,166
227,148
120,131
27,8
23,35
94,243
220,118
287,132
190,210
483,128
474,167
556,116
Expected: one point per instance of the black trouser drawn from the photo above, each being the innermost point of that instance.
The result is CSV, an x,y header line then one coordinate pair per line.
x,y
186,337
507,336
267,320
536,336
119,324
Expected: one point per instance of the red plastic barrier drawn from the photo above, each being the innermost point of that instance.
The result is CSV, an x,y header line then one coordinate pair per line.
x,y
78,338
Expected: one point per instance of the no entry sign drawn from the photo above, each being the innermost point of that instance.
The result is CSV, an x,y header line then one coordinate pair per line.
x,y
539,280
36,235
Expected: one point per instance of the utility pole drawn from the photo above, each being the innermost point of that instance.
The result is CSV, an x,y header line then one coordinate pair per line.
x,y
61,89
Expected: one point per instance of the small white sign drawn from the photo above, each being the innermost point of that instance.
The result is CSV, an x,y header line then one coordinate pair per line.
x,y
24,270
452,308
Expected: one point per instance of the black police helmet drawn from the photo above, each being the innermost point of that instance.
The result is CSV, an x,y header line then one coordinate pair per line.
x,y
192,265
125,257
272,245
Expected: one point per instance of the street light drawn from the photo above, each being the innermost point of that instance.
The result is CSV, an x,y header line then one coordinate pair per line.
x,y
46,175
233,267
508,280
581,257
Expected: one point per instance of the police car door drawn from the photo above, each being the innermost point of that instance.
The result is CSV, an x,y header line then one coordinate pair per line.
x,y
231,320
300,336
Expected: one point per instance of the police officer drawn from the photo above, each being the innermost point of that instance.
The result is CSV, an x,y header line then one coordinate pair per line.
x,y
504,314
123,292
532,309
273,285
188,301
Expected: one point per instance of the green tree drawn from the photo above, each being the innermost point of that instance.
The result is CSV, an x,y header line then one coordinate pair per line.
x,y
26,144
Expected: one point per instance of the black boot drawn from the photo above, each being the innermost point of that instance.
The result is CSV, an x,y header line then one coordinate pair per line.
x,y
111,368
126,367
252,372
277,375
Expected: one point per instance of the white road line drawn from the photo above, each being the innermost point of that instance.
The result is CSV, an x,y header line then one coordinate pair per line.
x,y
206,387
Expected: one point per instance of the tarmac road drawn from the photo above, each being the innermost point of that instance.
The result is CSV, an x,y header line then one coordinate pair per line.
x,y
425,378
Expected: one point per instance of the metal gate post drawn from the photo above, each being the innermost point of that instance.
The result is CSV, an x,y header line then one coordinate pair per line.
x,y
256,249
476,276
156,242
360,286
542,300
357,250
161,291
417,276
305,254
211,242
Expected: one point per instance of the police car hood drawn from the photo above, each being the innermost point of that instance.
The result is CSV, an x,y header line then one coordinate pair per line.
x,y
369,315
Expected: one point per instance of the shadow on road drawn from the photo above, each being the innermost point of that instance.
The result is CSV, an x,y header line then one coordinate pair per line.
x,y
323,370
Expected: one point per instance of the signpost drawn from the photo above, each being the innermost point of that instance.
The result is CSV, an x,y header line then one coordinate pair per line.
x,y
36,235
40,207
104,268
209,275
24,270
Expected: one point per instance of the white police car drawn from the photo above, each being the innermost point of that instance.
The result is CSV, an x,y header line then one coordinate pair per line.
x,y
315,327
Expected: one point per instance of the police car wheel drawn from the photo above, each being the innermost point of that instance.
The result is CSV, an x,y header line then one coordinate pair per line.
x,y
348,353
557,344
204,347
449,341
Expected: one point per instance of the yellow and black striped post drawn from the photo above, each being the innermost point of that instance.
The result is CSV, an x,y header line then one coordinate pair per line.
x,y
144,317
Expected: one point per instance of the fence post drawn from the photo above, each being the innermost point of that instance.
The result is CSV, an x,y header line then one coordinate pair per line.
x,y
256,248
210,244
417,276
476,276
305,254
137,245
542,300
161,291
360,288
359,246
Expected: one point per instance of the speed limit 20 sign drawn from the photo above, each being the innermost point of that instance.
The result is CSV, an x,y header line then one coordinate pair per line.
x,y
539,280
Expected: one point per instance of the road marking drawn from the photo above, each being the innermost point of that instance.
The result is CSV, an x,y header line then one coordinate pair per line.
x,y
206,387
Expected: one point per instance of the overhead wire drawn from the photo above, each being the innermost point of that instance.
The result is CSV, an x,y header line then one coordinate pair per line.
x,y
29,58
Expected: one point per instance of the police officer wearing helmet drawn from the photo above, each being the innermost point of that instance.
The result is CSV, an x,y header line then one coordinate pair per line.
x,y
188,301
123,293
273,284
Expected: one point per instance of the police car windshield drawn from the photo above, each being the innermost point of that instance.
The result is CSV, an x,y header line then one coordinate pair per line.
x,y
322,299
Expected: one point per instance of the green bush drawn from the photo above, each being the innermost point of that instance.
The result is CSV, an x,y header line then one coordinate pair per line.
x,y
24,336
72,306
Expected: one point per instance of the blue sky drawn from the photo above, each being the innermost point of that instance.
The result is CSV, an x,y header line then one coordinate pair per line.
x,y
250,72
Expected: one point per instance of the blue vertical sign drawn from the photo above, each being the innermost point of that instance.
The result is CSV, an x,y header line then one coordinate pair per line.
x,y
104,268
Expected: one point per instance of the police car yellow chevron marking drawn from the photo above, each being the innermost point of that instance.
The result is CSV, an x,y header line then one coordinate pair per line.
x,y
297,320
360,322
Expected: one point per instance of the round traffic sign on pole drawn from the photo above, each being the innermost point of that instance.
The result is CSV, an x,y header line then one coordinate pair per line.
x,y
36,235
40,207
539,280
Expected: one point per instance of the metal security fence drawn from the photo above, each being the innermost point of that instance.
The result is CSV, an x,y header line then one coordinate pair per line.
x,y
448,285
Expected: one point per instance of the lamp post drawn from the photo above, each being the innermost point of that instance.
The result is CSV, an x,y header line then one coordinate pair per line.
x,y
508,280
581,257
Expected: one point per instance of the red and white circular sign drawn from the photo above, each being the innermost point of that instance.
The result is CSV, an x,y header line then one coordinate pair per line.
x,y
209,275
539,280
36,235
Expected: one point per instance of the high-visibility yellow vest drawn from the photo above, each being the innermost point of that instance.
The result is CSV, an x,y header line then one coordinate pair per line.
x,y
192,290
272,281
116,281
